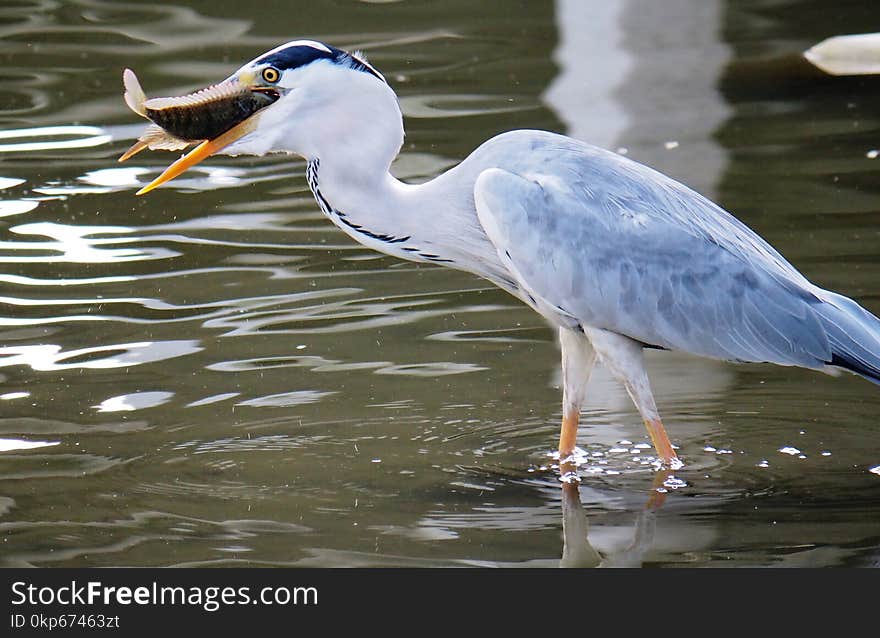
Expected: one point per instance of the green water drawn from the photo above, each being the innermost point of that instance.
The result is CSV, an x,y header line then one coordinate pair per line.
x,y
214,375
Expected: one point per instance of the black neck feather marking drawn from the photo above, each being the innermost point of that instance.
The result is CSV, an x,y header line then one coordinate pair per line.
x,y
332,213
301,54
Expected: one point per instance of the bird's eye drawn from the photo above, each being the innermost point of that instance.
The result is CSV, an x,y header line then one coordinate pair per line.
x,y
271,74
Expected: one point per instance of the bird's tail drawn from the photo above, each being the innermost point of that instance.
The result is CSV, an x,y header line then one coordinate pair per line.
x,y
853,334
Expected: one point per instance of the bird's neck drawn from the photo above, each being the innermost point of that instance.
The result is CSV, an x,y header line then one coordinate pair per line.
x,y
358,204
375,208
433,222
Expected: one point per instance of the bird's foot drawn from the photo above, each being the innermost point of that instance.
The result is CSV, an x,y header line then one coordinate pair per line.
x,y
665,453
672,463
569,461
664,482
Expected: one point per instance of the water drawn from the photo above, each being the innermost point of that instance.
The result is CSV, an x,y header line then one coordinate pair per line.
x,y
214,375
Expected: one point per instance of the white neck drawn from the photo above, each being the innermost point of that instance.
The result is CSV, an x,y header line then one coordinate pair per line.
x,y
349,173
349,127
364,205
434,222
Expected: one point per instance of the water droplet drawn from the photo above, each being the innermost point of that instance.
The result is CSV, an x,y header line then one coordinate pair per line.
x,y
791,451
674,483
577,457
872,154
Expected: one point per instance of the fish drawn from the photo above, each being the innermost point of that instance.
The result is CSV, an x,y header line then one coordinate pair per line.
x,y
179,122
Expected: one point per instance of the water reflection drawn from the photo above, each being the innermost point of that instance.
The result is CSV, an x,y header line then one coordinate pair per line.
x,y
7,445
74,244
49,357
578,551
136,401
44,138
634,100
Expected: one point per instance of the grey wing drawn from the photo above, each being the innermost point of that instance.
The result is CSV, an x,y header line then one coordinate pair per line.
x,y
617,246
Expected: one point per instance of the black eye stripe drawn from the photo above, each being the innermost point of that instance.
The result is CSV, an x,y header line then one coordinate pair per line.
x,y
296,56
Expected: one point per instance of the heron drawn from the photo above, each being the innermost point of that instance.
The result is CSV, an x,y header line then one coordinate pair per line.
x,y
615,255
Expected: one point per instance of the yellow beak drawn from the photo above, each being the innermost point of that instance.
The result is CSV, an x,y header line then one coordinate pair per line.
x,y
181,121
200,152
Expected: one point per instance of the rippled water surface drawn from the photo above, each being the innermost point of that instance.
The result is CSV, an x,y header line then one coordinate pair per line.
x,y
214,375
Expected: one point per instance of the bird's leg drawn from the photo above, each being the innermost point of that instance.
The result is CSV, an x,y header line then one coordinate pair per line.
x,y
568,434
578,358
625,359
658,490
644,400
662,443
576,548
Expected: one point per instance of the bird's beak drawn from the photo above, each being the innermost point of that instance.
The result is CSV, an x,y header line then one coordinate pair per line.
x,y
212,110
200,152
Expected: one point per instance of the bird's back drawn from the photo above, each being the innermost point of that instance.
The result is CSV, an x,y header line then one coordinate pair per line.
x,y
615,182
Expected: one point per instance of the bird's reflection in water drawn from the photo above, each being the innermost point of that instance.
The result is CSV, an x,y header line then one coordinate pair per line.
x,y
577,551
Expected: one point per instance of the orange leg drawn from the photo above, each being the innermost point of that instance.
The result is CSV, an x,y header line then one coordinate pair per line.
x,y
568,435
578,358
625,359
658,490
567,443
662,444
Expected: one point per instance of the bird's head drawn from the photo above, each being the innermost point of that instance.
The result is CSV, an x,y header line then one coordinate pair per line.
x,y
314,99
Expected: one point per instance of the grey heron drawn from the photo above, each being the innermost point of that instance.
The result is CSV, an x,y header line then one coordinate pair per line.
x,y
616,256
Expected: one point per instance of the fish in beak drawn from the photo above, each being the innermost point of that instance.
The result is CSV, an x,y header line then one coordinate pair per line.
x,y
213,118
